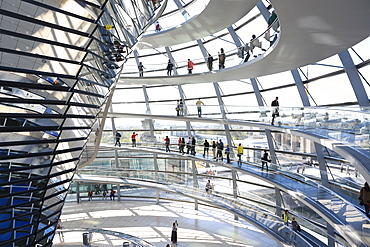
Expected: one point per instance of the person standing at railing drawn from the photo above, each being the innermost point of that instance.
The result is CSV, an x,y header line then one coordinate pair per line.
x,y
181,107
227,152
167,143
275,110
133,139
265,159
112,194
210,62
221,59
141,69
190,67
169,67
90,195
157,27
199,104
188,145
220,148
208,187
206,148
286,217
118,138
182,145
193,145
255,42
365,198
179,141
240,151
247,54
274,26
214,149
296,228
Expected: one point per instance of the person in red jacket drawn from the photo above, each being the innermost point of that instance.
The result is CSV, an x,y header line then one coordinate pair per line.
x,y
190,66
167,143
133,139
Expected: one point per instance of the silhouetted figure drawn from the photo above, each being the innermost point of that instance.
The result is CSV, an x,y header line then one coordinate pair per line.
x,y
275,113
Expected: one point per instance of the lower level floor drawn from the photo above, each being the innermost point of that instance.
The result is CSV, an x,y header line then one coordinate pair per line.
x,y
205,227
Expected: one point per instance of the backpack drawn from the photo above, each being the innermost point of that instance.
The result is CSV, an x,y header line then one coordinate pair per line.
x,y
282,216
299,228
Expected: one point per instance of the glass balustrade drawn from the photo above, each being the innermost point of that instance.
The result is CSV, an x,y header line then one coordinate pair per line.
x,y
221,195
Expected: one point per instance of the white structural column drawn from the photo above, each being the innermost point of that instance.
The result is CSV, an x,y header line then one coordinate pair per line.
x,y
156,177
301,88
270,141
354,78
264,11
220,101
322,165
188,128
257,92
223,113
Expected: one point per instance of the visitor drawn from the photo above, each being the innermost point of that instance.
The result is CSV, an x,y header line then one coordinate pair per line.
x,y
174,232
141,69
167,143
133,139
169,67
296,228
240,151
265,159
210,62
193,145
286,218
90,195
255,42
181,108
188,145
214,149
199,104
118,138
208,187
220,148
60,227
157,27
227,152
112,194
182,145
206,148
221,59
365,198
190,67
275,110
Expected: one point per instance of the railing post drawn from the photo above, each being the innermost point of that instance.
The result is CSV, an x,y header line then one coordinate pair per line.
x,y
78,192
118,192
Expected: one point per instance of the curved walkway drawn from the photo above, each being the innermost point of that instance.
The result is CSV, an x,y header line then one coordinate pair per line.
x,y
310,31
206,227
215,17
359,160
348,222
269,223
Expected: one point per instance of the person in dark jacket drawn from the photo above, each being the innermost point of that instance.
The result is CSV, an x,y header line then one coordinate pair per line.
x,y
193,144
118,138
265,159
169,67
275,110
365,198
210,62
206,148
